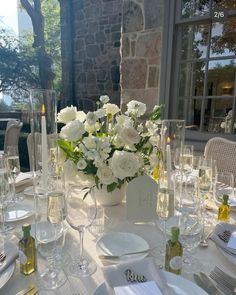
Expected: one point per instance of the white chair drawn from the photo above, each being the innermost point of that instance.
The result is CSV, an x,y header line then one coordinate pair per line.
x,y
12,134
224,152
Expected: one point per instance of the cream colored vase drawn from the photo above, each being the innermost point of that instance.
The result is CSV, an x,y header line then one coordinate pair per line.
x,y
105,198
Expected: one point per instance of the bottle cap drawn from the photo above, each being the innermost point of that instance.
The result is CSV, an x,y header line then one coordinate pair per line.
x,y
26,227
225,199
175,232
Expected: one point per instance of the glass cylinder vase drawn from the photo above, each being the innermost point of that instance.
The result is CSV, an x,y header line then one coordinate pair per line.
x,y
42,141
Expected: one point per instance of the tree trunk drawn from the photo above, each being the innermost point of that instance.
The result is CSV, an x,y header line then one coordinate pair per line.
x,y
46,74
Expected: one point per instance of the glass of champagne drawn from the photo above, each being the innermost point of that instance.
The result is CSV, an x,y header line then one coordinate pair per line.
x,y
13,165
205,187
80,218
183,159
50,236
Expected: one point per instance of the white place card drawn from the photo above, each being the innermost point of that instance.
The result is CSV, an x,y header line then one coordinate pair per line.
x,y
147,288
141,199
232,241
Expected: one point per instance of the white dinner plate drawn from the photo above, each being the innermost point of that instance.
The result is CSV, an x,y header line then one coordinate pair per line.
x,y
118,243
18,212
231,258
178,284
6,274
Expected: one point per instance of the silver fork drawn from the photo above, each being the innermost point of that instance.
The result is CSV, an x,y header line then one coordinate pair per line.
x,y
223,283
229,278
2,257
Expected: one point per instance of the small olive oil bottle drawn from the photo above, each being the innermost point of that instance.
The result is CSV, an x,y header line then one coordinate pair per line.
x,y
224,209
174,252
27,251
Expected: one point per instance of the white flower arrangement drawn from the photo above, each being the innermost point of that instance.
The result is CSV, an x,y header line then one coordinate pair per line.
x,y
106,147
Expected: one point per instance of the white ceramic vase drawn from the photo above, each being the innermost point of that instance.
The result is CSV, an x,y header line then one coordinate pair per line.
x,y
105,198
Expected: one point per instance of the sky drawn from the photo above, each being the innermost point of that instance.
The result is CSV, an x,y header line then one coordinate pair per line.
x,y
8,13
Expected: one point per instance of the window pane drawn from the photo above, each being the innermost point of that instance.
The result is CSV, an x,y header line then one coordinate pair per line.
x,y
194,8
223,40
194,41
221,77
215,114
191,80
190,110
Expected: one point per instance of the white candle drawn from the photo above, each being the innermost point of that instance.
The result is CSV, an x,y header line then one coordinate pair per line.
x,y
44,149
168,165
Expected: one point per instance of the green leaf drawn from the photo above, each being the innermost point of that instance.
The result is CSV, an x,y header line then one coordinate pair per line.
x,y
111,187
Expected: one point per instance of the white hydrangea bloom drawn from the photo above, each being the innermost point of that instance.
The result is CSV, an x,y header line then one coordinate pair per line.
x,y
67,114
81,116
111,108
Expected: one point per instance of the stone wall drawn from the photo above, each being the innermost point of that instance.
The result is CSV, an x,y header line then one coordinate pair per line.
x,y
141,51
96,34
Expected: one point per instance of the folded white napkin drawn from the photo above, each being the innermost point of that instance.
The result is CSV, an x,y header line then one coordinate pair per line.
x,y
11,252
219,229
115,275
23,180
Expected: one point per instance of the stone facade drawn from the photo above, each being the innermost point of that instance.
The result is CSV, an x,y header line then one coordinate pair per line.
x,y
97,58
141,51
95,54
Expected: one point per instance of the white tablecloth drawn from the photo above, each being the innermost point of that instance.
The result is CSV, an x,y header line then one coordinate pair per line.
x,y
115,220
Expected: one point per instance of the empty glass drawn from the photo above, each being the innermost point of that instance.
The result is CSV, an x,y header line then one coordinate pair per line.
x,y
224,185
80,218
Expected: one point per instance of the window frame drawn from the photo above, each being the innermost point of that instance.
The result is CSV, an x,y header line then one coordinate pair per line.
x,y
170,63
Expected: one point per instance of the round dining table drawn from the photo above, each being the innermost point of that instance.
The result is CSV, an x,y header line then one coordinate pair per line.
x,y
115,221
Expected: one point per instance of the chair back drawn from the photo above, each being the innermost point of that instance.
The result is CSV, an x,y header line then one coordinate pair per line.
x,y
224,152
12,134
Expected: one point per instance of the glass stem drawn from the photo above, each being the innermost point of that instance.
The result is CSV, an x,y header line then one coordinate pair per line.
x,y
3,219
164,233
203,218
81,248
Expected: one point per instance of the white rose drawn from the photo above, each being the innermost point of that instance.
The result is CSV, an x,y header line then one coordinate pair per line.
x,y
104,99
81,164
105,175
91,118
72,131
70,170
111,108
124,164
67,114
100,113
136,108
130,135
81,116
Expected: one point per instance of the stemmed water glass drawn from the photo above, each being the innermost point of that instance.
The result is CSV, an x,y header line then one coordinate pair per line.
x,y
13,165
190,220
224,185
183,158
50,237
80,218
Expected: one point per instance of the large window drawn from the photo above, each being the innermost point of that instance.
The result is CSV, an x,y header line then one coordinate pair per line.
x,y
202,79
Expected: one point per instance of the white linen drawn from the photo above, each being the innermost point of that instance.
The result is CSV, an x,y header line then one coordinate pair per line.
x,y
115,275
147,288
11,252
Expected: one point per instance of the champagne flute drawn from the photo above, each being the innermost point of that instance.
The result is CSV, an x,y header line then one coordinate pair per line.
x,y
14,166
183,159
205,186
50,236
80,218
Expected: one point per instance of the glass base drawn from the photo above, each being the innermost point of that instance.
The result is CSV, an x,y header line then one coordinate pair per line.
x,y
191,265
84,269
51,280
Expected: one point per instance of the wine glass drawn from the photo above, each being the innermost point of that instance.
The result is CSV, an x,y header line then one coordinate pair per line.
x,y
224,185
190,220
80,218
205,187
13,166
50,237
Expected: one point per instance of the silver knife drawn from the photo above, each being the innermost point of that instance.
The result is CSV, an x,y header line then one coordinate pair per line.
x,y
210,285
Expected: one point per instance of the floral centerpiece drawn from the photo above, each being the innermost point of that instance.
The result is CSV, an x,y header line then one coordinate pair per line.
x,y
106,148
226,124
